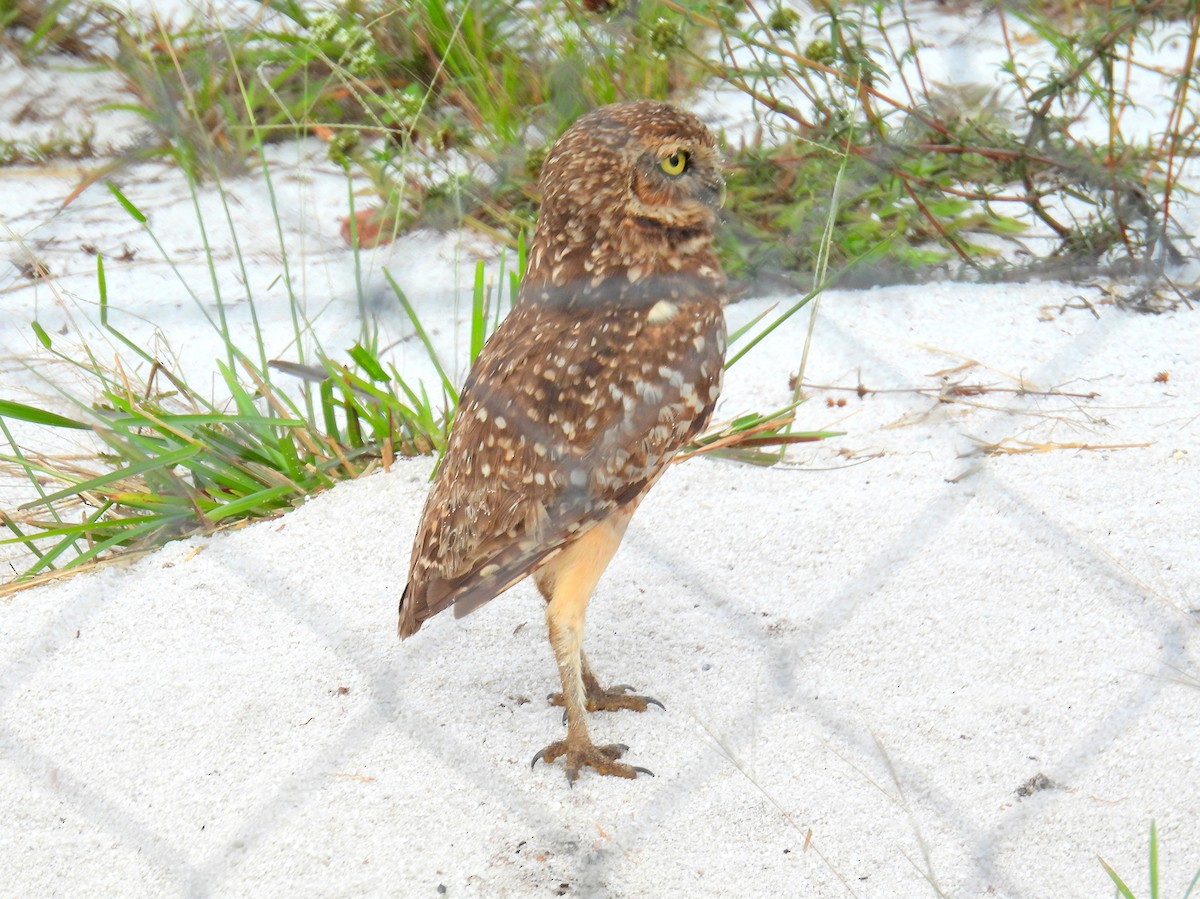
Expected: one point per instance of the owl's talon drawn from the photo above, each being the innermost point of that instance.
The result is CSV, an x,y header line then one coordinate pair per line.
x,y
621,696
611,700
602,759
549,753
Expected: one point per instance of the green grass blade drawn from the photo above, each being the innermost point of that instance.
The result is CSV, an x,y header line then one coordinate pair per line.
x,y
478,312
825,284
42,336
137,214
187,421
21,537
291,459
739,333
328,411
1153,860
1122,890
81,531
761,335
33,415
1192,885
368,362
164,462
29,467
254,503
91,526
102,285
447,384
125,538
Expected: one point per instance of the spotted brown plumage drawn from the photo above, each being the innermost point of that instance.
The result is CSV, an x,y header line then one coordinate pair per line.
x,y
609,362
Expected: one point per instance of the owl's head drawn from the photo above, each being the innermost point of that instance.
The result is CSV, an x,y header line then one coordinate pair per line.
x,y
628,190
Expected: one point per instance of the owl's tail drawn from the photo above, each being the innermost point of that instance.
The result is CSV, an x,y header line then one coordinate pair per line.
x,y
409,622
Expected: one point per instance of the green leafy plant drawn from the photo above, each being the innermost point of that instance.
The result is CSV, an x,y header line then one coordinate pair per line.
x,y
929,169
173,462
33,27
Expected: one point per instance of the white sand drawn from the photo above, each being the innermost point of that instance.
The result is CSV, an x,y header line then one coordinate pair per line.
x,y
861,661
869,654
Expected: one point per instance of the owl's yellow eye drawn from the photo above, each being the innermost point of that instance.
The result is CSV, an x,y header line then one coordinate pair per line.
x,y
675,164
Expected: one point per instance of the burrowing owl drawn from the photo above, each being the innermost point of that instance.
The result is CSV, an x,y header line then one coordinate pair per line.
x,y
608,363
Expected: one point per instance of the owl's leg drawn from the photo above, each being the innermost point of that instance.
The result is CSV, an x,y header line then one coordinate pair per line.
x,y
612,699
568,580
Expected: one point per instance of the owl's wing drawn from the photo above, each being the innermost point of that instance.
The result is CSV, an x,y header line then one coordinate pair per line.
x,y
567,415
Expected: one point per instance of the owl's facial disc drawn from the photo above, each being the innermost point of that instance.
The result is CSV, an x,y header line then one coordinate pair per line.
x,y
677,187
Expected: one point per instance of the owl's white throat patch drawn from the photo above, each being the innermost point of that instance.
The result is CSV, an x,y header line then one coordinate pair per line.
x,y
662,311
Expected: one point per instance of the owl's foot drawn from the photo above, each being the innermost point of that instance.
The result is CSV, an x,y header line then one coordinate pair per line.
x,y
603,759
612,700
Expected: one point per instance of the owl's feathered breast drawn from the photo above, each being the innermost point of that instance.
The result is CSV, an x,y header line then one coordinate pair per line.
x,y
573,409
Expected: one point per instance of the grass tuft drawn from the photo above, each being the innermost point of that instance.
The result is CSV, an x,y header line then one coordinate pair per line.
x,y
1124,892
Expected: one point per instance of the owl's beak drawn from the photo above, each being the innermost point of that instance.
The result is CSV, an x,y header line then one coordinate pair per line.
x,y
713,194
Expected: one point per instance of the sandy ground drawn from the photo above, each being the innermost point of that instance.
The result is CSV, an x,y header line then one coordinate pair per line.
x,y
954,651
862,664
